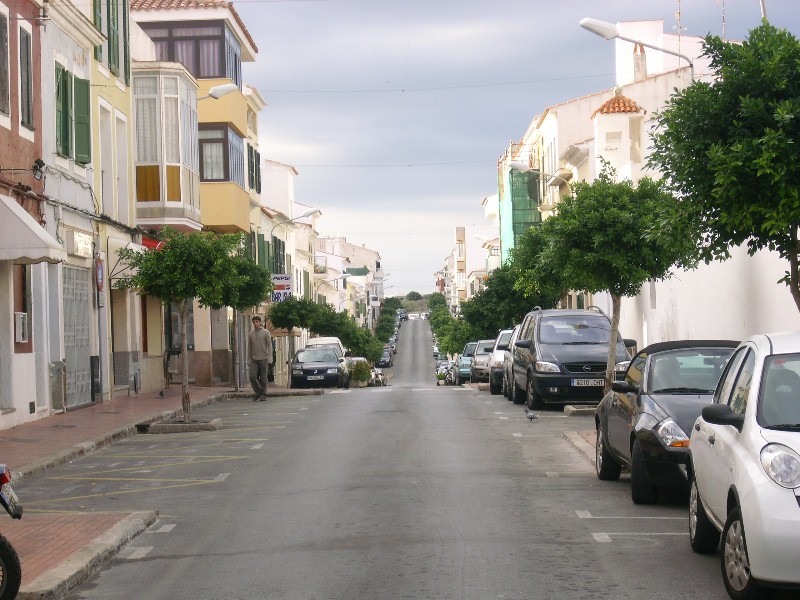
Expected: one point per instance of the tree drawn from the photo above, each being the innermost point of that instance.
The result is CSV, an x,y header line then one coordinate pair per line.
x,y
533,276
731,154
597,241
250,287
204,266
413,296
292,312
502,304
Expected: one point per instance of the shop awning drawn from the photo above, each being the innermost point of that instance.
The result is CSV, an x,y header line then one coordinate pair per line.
x,y
23,240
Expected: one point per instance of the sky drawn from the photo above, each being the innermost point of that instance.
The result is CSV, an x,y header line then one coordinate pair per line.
x,y
395,112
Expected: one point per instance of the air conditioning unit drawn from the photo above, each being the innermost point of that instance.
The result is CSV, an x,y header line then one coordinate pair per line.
x,y
21,327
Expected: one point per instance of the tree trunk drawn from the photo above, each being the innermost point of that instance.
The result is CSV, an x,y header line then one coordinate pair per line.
x,y
185,400
611,359
235,350
794,277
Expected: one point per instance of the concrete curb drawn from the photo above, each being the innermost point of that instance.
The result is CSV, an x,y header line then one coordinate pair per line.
x,y
571,410
584,447
81,565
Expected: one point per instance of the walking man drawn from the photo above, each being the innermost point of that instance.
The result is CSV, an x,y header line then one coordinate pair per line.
x,y
259,342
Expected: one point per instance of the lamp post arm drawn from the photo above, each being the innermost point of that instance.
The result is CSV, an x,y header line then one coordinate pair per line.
x,y
664,50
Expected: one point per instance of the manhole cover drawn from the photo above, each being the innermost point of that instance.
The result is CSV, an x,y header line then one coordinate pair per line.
x,y
65,426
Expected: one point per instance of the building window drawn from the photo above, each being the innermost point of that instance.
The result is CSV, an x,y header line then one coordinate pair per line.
x,y
5,106
25,78
221,155
73,119
253,169
198,46
22,304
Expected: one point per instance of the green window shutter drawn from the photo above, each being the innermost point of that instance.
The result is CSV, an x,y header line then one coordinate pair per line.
x,y
126,34
258,172
97,10
262,251
113,37
68,102
83,124
59,109
250,173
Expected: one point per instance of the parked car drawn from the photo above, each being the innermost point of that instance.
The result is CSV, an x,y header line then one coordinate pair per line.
x,y
744,468
318,367
328,342
560,356
480,361
464,369
386,359
642,423
469,349
496,361
508,361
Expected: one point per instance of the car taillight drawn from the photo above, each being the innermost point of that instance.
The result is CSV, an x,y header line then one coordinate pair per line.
x,y
5,475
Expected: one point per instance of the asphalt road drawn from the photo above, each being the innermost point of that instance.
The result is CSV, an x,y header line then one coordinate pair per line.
x,y
406,491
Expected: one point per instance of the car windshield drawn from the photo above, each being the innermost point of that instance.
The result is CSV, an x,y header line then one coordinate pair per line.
x,y
687,371
484,347
780,392
316,355
574,329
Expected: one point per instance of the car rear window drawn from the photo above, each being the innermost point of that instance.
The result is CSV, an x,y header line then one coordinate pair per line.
x,y
317,355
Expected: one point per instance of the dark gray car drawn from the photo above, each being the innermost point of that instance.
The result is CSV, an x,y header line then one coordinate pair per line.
x,y
643,423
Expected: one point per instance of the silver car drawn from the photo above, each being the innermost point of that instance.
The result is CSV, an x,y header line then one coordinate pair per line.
x,y
480,361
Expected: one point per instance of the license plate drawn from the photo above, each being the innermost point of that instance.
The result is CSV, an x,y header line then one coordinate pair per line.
x,y
315,377
588,382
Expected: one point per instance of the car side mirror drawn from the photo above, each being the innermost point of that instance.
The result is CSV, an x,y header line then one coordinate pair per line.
x,y
523,343
502,346
623,387
721,414
630,343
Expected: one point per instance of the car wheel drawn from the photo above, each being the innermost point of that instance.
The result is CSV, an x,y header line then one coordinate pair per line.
x,y
534,400
347,384
494,387
642,491
735,563
703,536
607,468
517,394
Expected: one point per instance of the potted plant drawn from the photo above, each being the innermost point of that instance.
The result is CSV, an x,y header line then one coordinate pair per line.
x,y
360,373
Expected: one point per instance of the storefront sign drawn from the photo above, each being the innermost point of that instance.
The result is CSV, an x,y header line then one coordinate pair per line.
x,y
281,287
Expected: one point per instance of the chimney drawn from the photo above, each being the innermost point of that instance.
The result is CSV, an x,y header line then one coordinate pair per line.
x,y
639,63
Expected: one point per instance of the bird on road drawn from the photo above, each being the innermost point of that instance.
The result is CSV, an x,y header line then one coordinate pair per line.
x,y
530,415
161,393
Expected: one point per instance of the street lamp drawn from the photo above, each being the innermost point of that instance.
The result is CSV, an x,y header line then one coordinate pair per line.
x,y
343,277
218,91
308,213
609,31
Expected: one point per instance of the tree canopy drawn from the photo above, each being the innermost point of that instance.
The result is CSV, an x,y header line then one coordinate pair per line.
x,y
730,150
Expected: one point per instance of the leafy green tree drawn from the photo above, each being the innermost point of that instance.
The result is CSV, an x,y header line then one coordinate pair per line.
x,y
597,242
539,281
292,312
731,152
501,304
205,266
436,300
249,287
413,296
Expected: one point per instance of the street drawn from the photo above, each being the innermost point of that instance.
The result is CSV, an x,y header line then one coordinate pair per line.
x,y
407,491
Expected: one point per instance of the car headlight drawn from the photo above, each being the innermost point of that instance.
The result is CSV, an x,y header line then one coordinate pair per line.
x,y
546,367
782,464
297,371
498,364
671,435
333,370
622,366
667,430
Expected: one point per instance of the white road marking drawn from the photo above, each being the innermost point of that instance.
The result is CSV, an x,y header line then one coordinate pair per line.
x,y
340,392
517,434
601,537
552,474
585,514
606,537
164,528
303,408
257,447
137,553
504,418
221,477
498,413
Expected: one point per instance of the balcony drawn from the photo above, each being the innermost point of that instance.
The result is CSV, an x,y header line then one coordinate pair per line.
x,y
225,207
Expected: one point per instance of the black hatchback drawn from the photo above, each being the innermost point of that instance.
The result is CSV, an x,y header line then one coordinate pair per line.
x,y
643,423
318,367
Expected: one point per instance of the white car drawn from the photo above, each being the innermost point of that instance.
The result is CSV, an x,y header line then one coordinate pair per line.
x,y
744,467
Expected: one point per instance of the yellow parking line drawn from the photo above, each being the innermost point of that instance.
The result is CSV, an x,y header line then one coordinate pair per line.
x,y
119,492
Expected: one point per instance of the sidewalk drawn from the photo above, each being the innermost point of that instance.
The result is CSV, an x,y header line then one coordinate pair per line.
x,y
59,551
